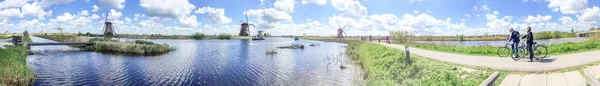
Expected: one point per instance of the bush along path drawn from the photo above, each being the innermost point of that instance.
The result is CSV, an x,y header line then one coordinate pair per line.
x,y
550,63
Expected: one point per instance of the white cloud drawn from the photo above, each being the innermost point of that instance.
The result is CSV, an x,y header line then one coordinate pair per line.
x,y
95,16
114,15
416,11
84,13
411,1
32,9
13,3
167,8
95,8
118,4
319,2
10,13
537,18
215,15
567,6
127,20
269,15
351,8
467,15
48,3
590,15
188,21
285,5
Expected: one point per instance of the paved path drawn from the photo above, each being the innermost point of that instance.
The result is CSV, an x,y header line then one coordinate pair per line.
x,y
548,64
573,78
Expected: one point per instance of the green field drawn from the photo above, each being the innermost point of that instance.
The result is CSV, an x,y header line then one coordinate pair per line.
x,y
384,66
553,49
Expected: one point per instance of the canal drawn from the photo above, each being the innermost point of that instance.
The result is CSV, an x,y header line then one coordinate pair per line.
x,y
198,62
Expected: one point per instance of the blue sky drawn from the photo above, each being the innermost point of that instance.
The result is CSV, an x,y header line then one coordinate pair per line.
x,y
297,17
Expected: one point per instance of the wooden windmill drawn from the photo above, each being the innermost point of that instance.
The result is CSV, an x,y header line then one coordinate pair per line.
x,y
340,32
245,30
108,28
59,29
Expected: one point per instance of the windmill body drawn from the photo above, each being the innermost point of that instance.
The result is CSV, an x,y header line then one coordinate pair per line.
x,y
245,30
108,27
340,32
59,29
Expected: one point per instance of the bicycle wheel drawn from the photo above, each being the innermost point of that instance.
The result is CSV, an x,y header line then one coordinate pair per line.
x,y
540,52
503,51
512,54
523,52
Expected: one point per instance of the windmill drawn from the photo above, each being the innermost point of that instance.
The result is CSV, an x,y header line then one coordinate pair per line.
x,y
341,33
59,29
108,28
245,30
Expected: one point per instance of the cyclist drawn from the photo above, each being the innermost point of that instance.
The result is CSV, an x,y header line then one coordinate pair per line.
x,y
529,43
514,37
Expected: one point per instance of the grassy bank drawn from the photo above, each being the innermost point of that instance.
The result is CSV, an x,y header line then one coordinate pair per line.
x,y
14,69
112,46
553,49
198,36
386,66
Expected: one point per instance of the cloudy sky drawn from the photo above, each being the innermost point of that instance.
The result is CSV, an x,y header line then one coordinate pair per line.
x,y
298,17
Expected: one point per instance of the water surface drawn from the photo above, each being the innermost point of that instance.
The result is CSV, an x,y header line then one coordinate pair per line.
x,y
198,62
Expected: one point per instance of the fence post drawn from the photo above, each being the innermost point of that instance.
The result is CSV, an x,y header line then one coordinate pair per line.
x,y
407,55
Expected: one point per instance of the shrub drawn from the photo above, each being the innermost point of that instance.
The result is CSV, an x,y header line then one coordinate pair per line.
x,y
143,42
461,37
101,40
400,36
198,35
224,36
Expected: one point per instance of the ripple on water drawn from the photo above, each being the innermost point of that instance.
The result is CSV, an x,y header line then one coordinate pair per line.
x,y
195,62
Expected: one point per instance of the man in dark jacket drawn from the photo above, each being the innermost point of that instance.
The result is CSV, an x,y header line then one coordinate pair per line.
x,y
514,37
529,43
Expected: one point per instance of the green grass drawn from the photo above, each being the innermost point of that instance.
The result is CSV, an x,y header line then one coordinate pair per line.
x,y
143,42
138,47
386,66
224,36
553,49
14,69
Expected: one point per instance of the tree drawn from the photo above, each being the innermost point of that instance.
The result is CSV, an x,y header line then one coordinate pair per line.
x,y
400,36
88,34
25,33
108,34
461,37
198,35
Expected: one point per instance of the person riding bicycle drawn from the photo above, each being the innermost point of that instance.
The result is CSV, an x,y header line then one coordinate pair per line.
x,y
529,43
514,37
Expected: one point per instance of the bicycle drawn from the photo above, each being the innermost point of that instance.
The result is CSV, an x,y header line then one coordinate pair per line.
x,y
507,50
540,51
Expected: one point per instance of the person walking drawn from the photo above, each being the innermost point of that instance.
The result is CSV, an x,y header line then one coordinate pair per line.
x,y
388,39
514,37
529,42
379,38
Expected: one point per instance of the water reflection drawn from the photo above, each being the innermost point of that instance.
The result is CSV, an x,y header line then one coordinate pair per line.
x,y
197,62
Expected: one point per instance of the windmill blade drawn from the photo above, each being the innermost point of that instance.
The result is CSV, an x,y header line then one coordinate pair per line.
x,y
344,27
338,25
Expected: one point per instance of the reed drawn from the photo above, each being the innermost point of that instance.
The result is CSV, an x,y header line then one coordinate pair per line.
x,y
14,70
